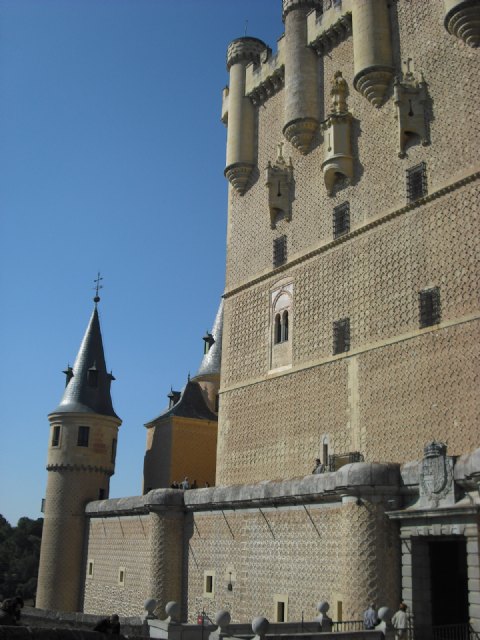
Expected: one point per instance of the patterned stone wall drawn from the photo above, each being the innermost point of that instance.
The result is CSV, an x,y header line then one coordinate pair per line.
x,y
399,385
450,71
305,553
114,542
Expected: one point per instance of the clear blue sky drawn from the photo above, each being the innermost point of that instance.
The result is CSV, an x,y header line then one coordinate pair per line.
x,y
111,158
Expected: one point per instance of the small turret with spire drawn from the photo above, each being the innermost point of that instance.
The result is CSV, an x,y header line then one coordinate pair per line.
x,y
81,459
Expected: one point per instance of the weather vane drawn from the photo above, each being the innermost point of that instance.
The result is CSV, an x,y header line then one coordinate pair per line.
x,y
97,287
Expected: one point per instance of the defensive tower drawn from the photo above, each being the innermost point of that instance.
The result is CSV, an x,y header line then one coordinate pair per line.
x,y
81,459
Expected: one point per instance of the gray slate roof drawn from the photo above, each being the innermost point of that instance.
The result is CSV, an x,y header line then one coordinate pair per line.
x,y
80,395
212,360
190,405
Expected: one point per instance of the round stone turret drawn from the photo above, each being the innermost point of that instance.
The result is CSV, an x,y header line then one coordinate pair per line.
x,y
290,5
301,82
372,49
241,113
462,20
81,460
244,50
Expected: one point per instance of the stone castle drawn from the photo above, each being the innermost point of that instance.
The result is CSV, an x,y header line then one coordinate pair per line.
x,y
348,332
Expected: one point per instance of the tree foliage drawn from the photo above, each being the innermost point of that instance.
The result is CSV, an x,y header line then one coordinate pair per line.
x,y
19,557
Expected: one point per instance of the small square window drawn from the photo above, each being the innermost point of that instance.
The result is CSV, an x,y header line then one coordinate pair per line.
x,y
121,576
208,584
341,220
83,435
430,311
56,435
416,182
90,569
279,251
341,336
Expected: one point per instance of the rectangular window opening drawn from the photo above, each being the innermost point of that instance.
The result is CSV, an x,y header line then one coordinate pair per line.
x,y
114,450
90,569
279,251
416,182
121,575
280,611
56,436
209,584
430,311
83,435
341,336
341,220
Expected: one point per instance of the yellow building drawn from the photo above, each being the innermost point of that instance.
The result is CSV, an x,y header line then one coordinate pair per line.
x,y
350,334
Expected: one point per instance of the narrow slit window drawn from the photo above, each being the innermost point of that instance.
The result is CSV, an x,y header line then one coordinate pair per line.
x,y
430,311
114,450
209,584
90,569
341,336
341,220
416,182
279,251
121,576
285,326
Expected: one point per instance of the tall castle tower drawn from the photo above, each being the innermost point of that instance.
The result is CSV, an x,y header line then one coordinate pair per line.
x,y
81,459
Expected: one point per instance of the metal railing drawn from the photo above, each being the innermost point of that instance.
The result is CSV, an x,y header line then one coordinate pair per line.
x,y
348,625
453,632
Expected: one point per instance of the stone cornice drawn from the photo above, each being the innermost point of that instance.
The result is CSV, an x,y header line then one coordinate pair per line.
x,y
268,87
379,220
324,39
80,467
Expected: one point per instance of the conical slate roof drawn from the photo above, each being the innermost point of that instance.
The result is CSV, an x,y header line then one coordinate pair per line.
x,y
88,390
211,362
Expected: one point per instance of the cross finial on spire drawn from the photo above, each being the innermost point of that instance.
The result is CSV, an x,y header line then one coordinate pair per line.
x,y
97,287
246,27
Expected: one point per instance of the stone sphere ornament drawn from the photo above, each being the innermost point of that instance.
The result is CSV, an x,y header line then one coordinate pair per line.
x,y
222,618
172,609
260,625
